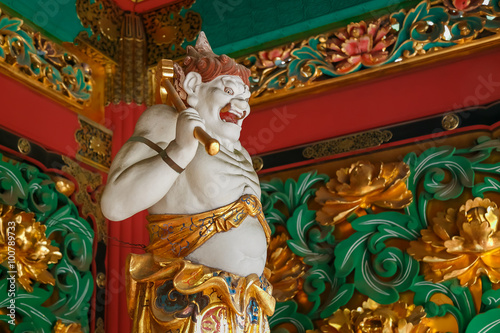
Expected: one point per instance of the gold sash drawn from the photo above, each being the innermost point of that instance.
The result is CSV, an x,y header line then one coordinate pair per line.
x,y
176,236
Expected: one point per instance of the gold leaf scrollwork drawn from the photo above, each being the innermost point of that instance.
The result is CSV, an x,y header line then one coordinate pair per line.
x,y
463,244
362,186
31,58
366,49
95,144
88,195
32,251
347,144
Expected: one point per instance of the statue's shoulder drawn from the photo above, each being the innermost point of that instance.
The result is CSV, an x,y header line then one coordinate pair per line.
x,y
156,122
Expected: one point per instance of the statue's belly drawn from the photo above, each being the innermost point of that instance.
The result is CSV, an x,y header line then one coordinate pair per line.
x,y
241,250
211,182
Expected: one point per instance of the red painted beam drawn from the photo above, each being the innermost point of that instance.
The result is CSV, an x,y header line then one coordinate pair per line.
x,y
37,118
407,96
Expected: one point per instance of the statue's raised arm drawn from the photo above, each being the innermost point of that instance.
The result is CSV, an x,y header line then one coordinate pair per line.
x,y
208,234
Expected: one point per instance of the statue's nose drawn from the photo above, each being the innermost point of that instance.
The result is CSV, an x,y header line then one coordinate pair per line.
x,y
240,103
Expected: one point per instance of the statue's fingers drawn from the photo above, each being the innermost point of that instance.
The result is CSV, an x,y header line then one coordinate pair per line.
x,y
196,118
190,111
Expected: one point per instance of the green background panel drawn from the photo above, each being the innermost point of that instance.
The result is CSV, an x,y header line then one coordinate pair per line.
x,y
57,18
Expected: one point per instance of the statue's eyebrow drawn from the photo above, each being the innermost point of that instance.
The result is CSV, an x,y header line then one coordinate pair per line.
x,y
233,85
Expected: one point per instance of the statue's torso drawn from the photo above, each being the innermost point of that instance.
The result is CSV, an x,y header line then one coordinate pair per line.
x,y
211,182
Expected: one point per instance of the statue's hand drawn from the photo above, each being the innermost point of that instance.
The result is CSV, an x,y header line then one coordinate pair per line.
x,y
184,137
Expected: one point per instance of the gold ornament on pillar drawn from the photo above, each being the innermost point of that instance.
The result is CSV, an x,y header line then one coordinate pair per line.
x,y
131,82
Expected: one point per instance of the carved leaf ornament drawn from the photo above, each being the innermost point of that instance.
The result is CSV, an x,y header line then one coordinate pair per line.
x,y
53,253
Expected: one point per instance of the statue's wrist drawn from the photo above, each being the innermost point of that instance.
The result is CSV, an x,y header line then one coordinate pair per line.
x,y
170,162
172,158
178,155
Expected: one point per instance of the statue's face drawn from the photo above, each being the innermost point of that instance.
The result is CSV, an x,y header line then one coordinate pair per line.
x,y
223,104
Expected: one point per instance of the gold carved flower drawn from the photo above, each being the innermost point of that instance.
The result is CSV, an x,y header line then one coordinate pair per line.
x,y
461,245
372,317
286,269
25,248
362,186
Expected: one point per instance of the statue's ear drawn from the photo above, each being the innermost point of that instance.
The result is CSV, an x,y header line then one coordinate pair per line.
x,y
190,85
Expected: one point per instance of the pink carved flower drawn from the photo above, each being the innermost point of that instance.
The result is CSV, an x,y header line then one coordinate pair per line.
x,y
359,43
462,5
270,58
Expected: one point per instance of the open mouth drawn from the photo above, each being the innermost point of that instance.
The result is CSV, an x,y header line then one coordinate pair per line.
x,y
230,115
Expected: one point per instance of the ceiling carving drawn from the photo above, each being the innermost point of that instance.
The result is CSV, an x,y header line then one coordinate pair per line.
x,y
165,29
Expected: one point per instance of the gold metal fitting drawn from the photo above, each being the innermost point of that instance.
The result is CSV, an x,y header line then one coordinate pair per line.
x,y
101,280
257,163
450,122
24,146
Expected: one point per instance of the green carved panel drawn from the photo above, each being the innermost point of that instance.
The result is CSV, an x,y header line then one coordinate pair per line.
x,y
412,244
48,291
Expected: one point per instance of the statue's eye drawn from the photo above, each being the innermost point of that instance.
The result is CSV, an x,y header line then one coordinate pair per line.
x,y
228,91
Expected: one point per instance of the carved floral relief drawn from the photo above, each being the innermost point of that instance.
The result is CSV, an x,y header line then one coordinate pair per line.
x,y
33,251
463,244
362,186
359,44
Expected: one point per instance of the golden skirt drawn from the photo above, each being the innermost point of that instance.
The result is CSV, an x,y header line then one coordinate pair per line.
x,y
178,296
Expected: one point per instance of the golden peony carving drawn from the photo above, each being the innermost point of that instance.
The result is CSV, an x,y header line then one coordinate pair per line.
x,y
372,317
23,236
461,245
59,327
362,186
286,268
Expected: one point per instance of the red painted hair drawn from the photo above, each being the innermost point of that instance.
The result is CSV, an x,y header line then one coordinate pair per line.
x,y
202,60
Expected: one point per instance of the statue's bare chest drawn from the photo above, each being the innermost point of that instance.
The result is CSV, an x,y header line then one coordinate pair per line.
x,y
210,182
